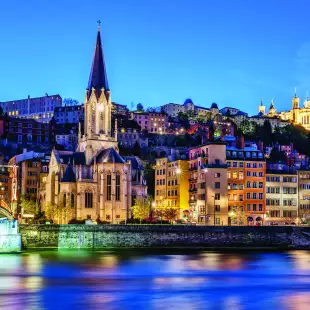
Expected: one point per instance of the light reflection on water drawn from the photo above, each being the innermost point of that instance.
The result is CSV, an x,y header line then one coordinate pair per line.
x,y
138,280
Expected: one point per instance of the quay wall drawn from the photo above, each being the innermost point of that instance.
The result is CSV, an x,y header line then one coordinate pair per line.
x,y
162,236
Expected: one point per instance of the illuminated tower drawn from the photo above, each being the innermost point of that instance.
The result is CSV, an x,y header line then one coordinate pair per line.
x,y
97,108
261,107
295,104
272,110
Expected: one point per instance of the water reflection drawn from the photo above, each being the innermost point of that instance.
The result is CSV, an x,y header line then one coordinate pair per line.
x,y
140,280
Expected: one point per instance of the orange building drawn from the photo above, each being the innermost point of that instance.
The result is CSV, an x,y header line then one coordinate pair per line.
x,y
246,183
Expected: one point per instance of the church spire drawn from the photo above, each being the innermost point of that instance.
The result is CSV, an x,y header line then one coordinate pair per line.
x,y
98,75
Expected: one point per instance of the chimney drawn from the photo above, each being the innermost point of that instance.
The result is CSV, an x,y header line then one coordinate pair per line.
x,y
240,142
260,145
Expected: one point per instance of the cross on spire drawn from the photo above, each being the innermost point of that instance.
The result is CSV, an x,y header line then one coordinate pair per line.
x,y
99,23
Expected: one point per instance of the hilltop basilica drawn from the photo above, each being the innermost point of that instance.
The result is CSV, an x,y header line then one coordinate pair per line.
x,y
95,181
297,115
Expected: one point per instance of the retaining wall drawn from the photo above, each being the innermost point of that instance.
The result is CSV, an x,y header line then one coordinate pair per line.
x,y
135,236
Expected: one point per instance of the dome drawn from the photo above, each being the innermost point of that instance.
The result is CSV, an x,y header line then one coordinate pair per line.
x,y
214,106
188,101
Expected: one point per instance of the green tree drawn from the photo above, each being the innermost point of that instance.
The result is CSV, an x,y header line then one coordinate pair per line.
x,y
140,107
142,208
1,111
28,206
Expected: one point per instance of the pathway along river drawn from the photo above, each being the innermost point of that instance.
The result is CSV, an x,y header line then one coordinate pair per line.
x,y
157,280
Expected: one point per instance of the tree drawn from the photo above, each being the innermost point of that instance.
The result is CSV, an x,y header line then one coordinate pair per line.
x,y
1,111
237,215
277,156
142,208
136,151
140,107
245,126
28,206
70,102
170,213
52,211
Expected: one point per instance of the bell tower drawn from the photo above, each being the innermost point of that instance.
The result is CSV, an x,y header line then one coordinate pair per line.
x,y
295,104
97,107
261,107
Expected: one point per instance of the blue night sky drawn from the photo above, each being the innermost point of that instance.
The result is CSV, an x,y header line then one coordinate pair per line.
x,y
159,51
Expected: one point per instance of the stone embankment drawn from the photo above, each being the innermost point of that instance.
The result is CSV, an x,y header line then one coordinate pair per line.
x,y
162,236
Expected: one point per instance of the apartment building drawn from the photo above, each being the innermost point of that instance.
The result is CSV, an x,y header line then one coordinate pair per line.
x,y
208,184
40,109
246,183
304,195
69,114
171,185
281,197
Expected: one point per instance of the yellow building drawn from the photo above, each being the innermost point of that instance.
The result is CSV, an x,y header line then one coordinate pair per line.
x,y
297,115
171,185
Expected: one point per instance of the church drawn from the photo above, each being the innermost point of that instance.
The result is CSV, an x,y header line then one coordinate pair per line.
x,y
95,182
297,115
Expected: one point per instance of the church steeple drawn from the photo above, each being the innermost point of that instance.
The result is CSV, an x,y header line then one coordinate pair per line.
x,y
98,75
97,108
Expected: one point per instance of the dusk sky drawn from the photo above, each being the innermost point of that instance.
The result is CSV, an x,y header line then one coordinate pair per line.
x,y
159,51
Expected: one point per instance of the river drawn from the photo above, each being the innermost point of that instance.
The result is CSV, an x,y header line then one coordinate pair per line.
x,y
157,280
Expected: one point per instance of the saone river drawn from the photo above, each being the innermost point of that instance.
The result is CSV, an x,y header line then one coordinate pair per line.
x,y
157,280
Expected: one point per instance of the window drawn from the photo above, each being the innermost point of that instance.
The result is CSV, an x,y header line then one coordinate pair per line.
x,y
254,206
217,221
88,200
217,208
72,200
241,164
248,173
254,196
248,207
217,196
248,195
260,207
109,186
260,196
217,185
118,187
235,164
65,200
217,175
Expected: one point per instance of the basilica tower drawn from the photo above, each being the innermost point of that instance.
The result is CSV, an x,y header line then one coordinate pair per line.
x,y
97,108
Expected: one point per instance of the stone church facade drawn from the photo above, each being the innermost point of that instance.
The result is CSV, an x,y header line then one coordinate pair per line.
x,y
95,181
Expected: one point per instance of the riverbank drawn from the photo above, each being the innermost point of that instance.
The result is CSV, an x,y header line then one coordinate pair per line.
x,y
163,236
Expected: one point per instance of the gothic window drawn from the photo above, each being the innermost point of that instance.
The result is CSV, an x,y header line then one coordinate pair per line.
x,y
88,200
93,118
72,200
65,199
118,187
109,186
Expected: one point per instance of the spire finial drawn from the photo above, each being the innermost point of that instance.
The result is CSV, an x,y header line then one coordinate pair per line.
x,y
261,100
295,92
99,23
306,95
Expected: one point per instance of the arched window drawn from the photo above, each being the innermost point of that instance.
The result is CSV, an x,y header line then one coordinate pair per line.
x,y
88,200
109,186
65,199
72,200
118,187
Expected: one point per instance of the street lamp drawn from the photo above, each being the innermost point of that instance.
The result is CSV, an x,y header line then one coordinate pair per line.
x,y
178,170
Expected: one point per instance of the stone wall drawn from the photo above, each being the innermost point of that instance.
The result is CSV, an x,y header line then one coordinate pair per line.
x,y
135,236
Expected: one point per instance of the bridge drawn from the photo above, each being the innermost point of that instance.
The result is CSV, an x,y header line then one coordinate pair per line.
x,y
5,210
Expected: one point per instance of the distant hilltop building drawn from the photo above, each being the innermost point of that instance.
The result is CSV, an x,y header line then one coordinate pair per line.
x,y
173,109
297,115
40,109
